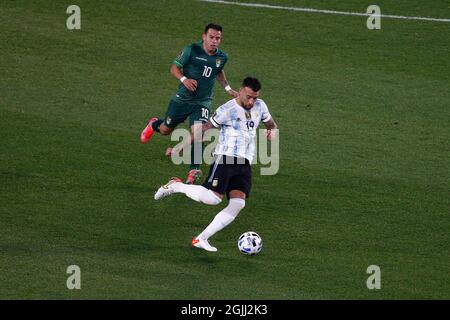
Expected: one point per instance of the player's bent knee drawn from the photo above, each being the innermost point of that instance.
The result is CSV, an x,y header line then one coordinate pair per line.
x,y
237,194
164,130
211,198
237,203
216,201
235,206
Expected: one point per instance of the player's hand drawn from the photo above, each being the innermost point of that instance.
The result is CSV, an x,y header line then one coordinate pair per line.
x,y
270,134
233,93
169,152
172,152
190,84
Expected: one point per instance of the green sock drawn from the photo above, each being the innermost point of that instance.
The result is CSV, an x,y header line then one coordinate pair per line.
x,y
196,149
156,124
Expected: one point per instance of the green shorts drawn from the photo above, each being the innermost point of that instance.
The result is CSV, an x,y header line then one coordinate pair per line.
x,y
178,112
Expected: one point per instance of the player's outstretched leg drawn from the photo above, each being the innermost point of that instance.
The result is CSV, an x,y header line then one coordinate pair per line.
x,y
195,192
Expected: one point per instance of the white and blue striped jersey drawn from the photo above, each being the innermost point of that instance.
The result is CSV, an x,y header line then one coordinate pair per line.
x,y
238,126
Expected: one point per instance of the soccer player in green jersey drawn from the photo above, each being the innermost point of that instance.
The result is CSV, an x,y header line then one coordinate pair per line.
x,y
197,67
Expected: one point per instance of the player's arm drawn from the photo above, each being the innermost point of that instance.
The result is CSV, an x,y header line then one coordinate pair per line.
x,y
177,72
208,125
271,129
270,124
222,79
216,120
186,143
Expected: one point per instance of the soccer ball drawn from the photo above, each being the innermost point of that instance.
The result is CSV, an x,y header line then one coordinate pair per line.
x,y
250,243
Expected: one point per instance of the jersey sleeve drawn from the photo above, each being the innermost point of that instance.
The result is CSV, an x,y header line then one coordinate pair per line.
x,y
265,114
220,117
224,61
183,57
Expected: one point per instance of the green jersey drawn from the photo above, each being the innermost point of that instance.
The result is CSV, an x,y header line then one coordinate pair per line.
x,y
200,66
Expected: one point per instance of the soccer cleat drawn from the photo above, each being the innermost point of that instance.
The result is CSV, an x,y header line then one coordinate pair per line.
x,y
148,132
194,175
166,189
203,244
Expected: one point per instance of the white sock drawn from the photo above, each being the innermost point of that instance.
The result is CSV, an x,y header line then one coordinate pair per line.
x,y
223,218
197,193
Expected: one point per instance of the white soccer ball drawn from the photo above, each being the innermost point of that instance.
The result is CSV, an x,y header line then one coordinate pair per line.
x,y
250,243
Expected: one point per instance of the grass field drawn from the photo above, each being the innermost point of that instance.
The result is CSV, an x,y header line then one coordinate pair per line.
x,y
364,177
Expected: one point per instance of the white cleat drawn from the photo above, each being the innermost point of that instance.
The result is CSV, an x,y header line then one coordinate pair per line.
x,y
203,244
166,190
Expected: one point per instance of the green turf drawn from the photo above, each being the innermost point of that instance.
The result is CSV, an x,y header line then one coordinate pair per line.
x,y
364,156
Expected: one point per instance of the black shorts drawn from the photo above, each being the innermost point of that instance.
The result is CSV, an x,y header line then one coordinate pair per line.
x,y
229,173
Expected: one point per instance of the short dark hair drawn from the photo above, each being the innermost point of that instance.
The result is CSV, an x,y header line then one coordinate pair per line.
x,y
213,26
252,83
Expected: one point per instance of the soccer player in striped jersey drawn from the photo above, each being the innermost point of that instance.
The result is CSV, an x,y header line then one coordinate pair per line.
x,y
197,67
230,173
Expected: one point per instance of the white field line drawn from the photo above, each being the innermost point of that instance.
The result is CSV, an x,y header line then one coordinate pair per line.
x,y
268,6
